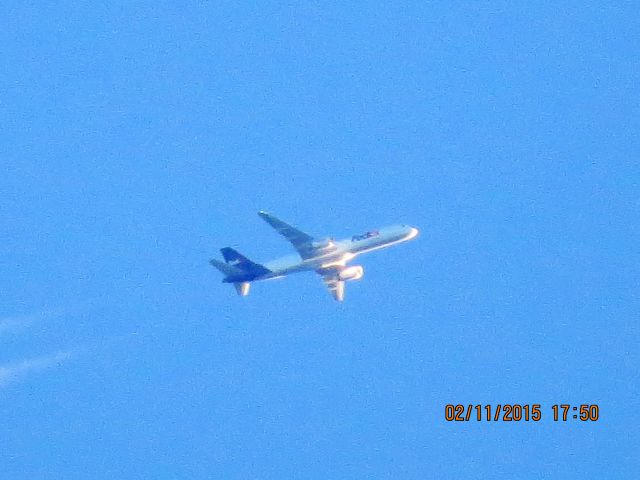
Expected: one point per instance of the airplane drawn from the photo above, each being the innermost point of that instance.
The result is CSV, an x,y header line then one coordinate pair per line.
x,y
325,256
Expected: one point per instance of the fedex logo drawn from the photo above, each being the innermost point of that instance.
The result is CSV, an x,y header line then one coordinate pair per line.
x,y
364,236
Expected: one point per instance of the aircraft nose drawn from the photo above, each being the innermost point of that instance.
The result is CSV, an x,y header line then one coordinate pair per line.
x,y
413,232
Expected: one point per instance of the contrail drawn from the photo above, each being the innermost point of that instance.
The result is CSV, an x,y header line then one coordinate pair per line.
x,y
13,323
14,371
10,324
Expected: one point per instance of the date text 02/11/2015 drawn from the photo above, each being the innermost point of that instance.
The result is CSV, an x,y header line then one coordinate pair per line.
x,y
519,412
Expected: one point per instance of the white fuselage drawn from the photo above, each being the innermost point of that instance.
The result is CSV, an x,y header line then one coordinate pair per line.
x,y
341,251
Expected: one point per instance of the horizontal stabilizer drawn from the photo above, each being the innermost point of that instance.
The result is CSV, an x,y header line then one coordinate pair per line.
x,y
242,288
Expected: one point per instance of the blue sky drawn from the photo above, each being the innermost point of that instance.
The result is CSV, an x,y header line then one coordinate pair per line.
x,y
138,139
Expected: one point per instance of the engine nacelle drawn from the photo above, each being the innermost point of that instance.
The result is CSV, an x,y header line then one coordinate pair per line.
x,y
322,244
351,273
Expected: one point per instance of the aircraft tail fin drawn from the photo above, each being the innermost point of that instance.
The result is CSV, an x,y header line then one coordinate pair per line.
x,y
237,260
226,269
230,271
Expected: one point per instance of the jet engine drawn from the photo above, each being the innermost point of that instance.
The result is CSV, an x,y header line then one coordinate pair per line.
x,y
351,273
322,244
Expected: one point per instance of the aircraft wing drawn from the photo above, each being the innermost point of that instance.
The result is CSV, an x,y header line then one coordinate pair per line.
x,y
332,282
335,286
300,240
